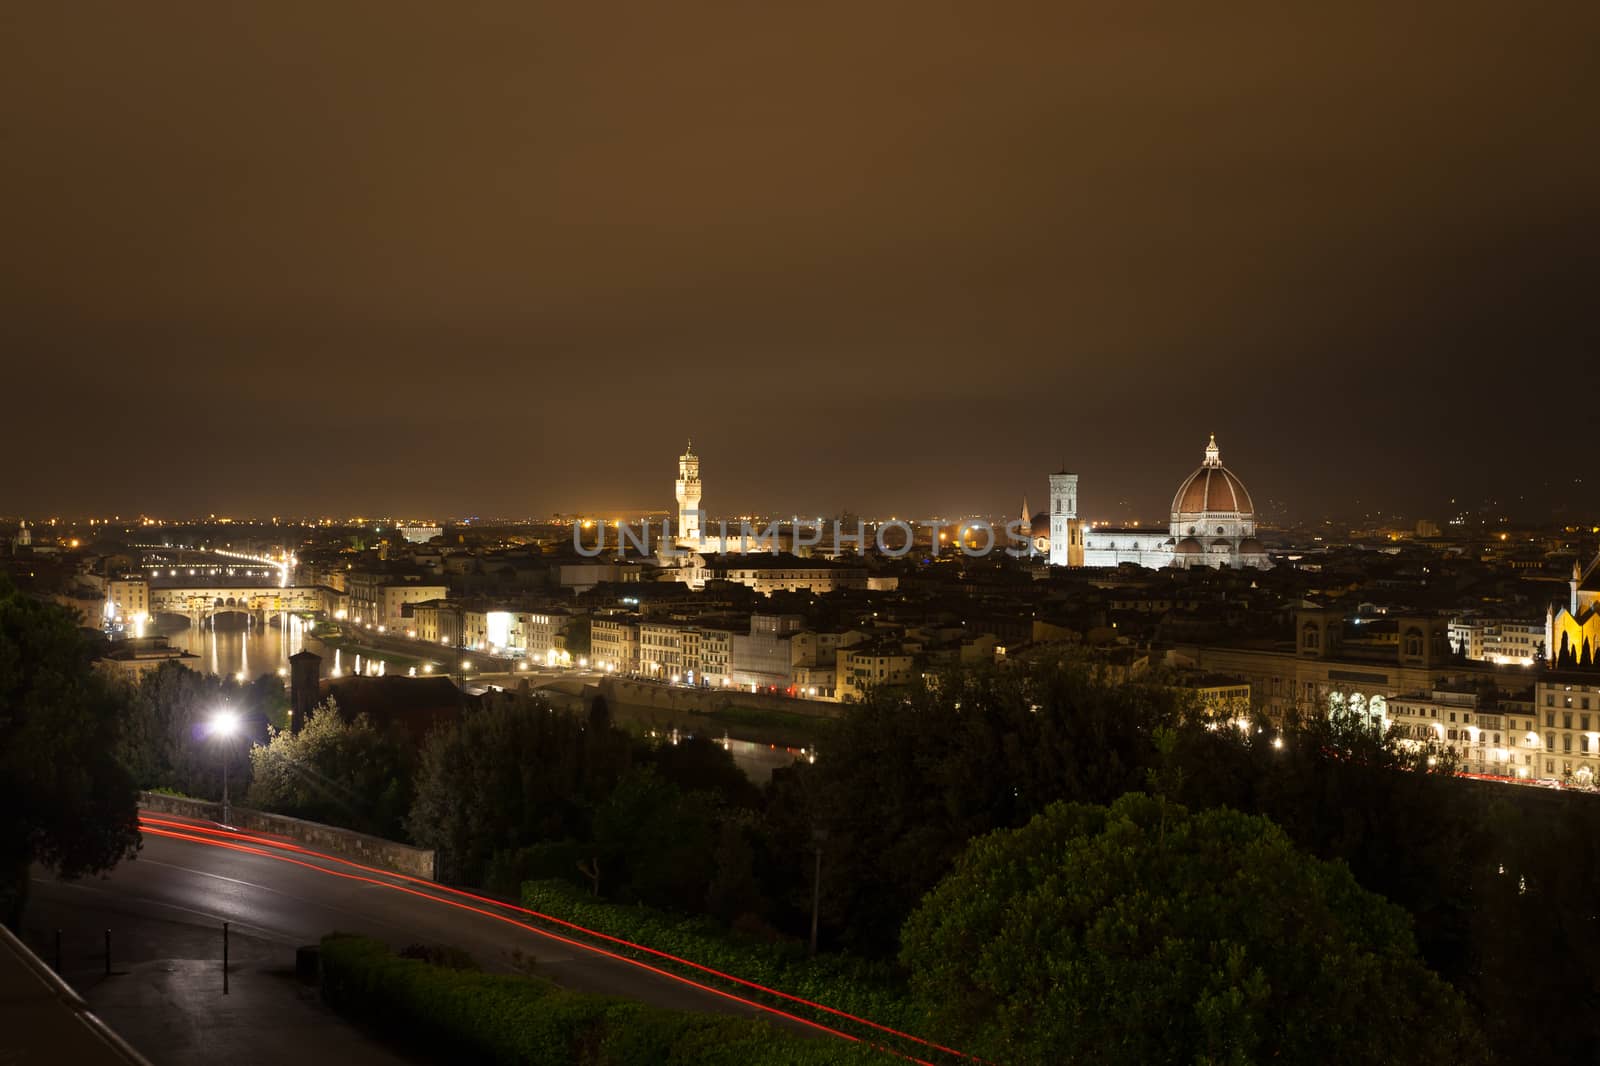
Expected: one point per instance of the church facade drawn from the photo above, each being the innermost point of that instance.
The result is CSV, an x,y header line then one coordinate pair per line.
x,y
1212,523
1572,630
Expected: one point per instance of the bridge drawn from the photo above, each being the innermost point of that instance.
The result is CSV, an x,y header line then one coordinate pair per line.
x,y
198,603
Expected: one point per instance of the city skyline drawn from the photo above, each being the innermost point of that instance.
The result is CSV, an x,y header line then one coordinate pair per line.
x,y
1109,504
924,279
831,533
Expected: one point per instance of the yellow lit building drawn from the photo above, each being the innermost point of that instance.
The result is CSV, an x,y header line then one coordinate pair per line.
x,y
1566,731
128,600
1572,632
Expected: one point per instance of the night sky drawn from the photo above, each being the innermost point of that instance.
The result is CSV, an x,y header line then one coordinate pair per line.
x,y
502,258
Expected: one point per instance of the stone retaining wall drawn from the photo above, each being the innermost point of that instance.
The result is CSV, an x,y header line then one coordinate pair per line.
x,y
374,851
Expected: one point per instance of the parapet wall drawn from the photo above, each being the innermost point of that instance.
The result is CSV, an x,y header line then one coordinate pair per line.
x,y
374,851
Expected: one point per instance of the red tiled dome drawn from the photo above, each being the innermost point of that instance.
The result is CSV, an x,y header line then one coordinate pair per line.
x,y
1189,546
1212,489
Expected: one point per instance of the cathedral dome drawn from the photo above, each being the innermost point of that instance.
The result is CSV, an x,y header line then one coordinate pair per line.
x,y
1041,525
1212,490
1189,546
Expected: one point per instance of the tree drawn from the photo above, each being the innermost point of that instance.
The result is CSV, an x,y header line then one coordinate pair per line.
x,y
700,764
508,775
66,800
1143,933
657,843
906,778
167,743
343,773
1335,785
576,636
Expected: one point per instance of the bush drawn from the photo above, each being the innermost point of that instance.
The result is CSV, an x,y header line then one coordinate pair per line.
x,y
870,990
557,860
466,1016
344,773
446,955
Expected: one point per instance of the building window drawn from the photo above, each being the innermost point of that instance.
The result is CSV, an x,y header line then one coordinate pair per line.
x,y
1566,741
1549,742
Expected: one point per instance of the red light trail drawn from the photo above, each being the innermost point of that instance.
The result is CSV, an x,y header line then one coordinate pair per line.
x,y
185,831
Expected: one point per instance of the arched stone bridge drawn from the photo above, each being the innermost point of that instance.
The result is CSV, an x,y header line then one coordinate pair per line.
x,y
200,603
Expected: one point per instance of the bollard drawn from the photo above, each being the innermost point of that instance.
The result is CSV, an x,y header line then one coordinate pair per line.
x,y
108,953
224,958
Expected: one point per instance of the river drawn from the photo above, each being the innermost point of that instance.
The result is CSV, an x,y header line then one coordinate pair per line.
x,y
253,651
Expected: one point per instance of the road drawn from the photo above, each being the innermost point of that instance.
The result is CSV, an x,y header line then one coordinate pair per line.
x,y
282,895
164,912
162,987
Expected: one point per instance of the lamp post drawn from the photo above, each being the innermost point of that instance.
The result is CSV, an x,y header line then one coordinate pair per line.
x,y
817,837
224,724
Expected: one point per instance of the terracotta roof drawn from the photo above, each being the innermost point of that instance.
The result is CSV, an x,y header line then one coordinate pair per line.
x,y
1212,489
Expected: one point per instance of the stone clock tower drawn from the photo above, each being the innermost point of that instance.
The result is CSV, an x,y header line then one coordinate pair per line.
x,y
688,530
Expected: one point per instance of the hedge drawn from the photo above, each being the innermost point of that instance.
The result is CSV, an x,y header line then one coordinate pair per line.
x,y
468,1016
869,990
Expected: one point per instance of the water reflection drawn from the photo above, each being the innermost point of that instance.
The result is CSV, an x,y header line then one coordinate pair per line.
x,y
234,646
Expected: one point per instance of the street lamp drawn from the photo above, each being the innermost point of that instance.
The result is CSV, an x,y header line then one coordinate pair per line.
x,y
818,838
225,724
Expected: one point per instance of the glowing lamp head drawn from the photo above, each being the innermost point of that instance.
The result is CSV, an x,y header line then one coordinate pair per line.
x,y
224,724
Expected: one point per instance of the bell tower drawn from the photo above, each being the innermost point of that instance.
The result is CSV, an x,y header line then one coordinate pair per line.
x,y
688,530
1066,533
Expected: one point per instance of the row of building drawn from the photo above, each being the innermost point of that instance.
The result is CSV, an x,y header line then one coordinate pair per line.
x,y
775,652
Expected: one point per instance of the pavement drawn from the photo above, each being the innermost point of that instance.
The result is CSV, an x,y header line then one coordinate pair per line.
x,y
164,992
165,909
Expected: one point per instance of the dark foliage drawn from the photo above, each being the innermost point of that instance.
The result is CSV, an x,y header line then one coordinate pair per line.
x,y
66,800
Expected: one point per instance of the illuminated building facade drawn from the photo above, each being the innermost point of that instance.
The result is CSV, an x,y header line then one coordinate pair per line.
x,y
1567,729
1212,523
1501,641
1572,631
688,492
128,601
